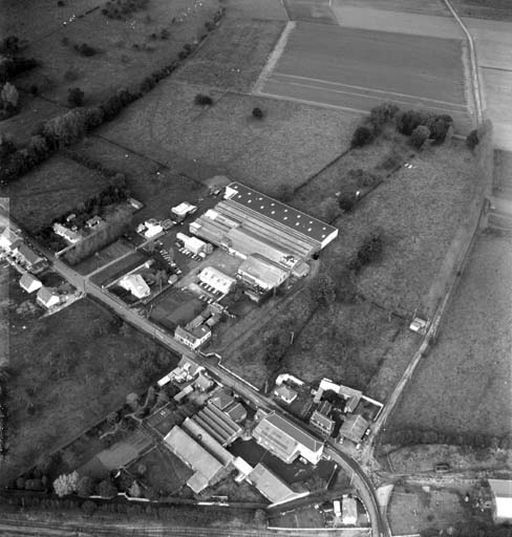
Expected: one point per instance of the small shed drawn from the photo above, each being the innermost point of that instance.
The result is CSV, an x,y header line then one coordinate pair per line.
x,y
30,283
502,499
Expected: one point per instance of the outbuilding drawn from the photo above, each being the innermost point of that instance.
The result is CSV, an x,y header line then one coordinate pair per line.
x,y
502,499
47,298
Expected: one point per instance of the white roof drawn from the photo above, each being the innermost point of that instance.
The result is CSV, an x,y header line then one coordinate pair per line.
x,y
135,284
217,279
502,490
183,208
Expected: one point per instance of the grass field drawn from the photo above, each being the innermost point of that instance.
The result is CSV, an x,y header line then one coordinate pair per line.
x,y
117,63
234,55
464,385
263,9
69,369
418,211
291,143
56,186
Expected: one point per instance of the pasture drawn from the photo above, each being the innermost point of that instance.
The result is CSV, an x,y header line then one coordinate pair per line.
x,y
464,384
292,142
357,69
103,257
426,7
126,51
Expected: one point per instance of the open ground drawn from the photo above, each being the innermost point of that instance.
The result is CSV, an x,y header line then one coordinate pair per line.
x,y
464,384
47,405
357,69
293,141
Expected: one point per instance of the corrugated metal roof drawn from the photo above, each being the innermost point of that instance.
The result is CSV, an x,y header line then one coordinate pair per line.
x,y
280,212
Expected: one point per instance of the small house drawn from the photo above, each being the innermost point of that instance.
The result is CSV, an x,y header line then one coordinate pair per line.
x,y
193,337
29,258
30,283
182,210
502,499
9,239
94,222
47,298
136,284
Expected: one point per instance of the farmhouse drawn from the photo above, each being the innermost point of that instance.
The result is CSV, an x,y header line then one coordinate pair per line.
x,y
30,283
247,222
207,468
273,488
286,394
502,499
192,337
47,298
28,257
213,277
287,441
136,284
322,422
350,394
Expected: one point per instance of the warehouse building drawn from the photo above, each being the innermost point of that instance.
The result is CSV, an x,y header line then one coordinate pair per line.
x,y
247,222
287,441
207,468
261,273
218,424
271,486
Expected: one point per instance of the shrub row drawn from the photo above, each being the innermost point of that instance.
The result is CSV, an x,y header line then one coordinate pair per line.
x,y
121,9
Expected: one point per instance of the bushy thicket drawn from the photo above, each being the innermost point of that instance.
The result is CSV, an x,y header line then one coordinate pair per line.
x,y
122,9
370,251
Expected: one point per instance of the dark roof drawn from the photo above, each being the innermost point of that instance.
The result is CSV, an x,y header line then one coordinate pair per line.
x,y
354,427
222,399
282,213
29,255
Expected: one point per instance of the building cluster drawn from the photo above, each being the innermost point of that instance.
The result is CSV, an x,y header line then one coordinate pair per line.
x,y
199,330
29,264
273,240
341,416
202,438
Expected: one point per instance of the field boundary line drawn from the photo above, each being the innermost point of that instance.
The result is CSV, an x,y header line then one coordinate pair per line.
x,y
477,91
446,106
388,92
274,57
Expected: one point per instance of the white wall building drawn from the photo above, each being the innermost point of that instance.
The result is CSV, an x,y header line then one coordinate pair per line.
x,y
192,244
218,280
136,285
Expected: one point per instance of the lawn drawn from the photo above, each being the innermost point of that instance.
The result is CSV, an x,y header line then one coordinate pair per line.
x,y
291,143
69,370
49,191
426,7
175,307
126,52
463,385
234,56
164,471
